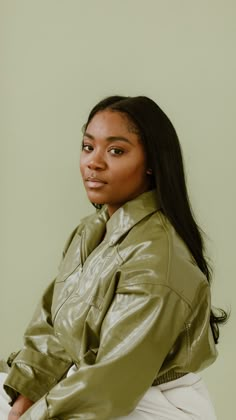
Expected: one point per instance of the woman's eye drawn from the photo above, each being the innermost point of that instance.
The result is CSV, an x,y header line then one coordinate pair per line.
x,y
116,152
87,147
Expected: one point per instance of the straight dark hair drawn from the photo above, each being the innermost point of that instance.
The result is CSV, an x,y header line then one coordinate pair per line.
x,y
164,157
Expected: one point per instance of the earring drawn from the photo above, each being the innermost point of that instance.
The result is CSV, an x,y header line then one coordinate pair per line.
x,y
149,171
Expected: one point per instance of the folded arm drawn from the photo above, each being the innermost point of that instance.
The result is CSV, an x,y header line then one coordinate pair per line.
x,y
134,343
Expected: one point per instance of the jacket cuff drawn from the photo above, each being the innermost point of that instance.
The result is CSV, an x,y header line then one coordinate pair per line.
x,y
4,367
33,374
12,357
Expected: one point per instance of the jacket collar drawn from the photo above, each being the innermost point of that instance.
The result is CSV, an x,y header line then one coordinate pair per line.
x,y
93,232
99,226
130,214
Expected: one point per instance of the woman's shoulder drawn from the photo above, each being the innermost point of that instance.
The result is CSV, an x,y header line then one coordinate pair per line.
x,y
155,247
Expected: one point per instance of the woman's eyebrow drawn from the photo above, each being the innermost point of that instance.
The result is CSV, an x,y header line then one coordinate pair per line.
x,y
110,138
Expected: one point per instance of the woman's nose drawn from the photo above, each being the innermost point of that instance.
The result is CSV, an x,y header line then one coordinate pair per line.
x,y
96,162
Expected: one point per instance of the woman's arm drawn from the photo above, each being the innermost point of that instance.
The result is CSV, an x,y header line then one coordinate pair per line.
x,y
19,407
33,361
138,331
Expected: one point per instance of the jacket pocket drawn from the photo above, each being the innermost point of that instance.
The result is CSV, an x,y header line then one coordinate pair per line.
x,y
64,287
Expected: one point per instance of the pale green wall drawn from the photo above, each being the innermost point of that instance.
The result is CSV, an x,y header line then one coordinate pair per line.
x,y
57,59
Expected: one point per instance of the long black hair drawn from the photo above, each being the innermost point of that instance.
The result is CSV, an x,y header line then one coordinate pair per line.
x,y
164,157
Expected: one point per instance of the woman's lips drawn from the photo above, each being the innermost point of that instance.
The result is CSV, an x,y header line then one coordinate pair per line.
x,y
94,183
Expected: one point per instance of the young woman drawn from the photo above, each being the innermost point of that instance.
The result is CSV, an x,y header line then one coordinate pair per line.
x,y
127,323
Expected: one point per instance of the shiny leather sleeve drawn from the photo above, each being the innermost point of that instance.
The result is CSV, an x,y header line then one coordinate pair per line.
x,y
33,362
42,357
133,345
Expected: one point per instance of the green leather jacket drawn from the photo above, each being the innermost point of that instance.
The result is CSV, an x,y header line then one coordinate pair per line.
x,y
129,308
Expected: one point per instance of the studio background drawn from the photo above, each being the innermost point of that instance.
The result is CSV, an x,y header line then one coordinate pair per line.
x,y
58,58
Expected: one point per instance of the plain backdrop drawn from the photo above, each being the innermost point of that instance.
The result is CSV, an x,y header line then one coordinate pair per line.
x,y
57,59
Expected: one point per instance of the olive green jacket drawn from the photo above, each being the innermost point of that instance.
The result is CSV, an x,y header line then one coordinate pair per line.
x,y
128,309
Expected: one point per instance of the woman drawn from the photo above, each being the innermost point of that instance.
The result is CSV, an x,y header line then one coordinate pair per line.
x,y
127,323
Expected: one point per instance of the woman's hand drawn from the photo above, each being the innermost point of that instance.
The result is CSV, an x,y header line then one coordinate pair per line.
x,y
19,407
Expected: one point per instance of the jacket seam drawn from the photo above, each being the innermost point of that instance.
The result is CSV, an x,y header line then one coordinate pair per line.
x,y
120,259
169,245
187,332
158,285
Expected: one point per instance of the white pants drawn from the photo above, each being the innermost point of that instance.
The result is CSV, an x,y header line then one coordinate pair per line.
x,y
4,400
184,399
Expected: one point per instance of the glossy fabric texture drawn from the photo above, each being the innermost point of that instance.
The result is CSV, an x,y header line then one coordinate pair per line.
x,y
181,399
129,307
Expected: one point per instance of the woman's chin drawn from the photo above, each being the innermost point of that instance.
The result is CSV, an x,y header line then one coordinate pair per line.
x,y
95,199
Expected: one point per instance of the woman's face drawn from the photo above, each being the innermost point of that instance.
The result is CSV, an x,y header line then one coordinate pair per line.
x,y
113,161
